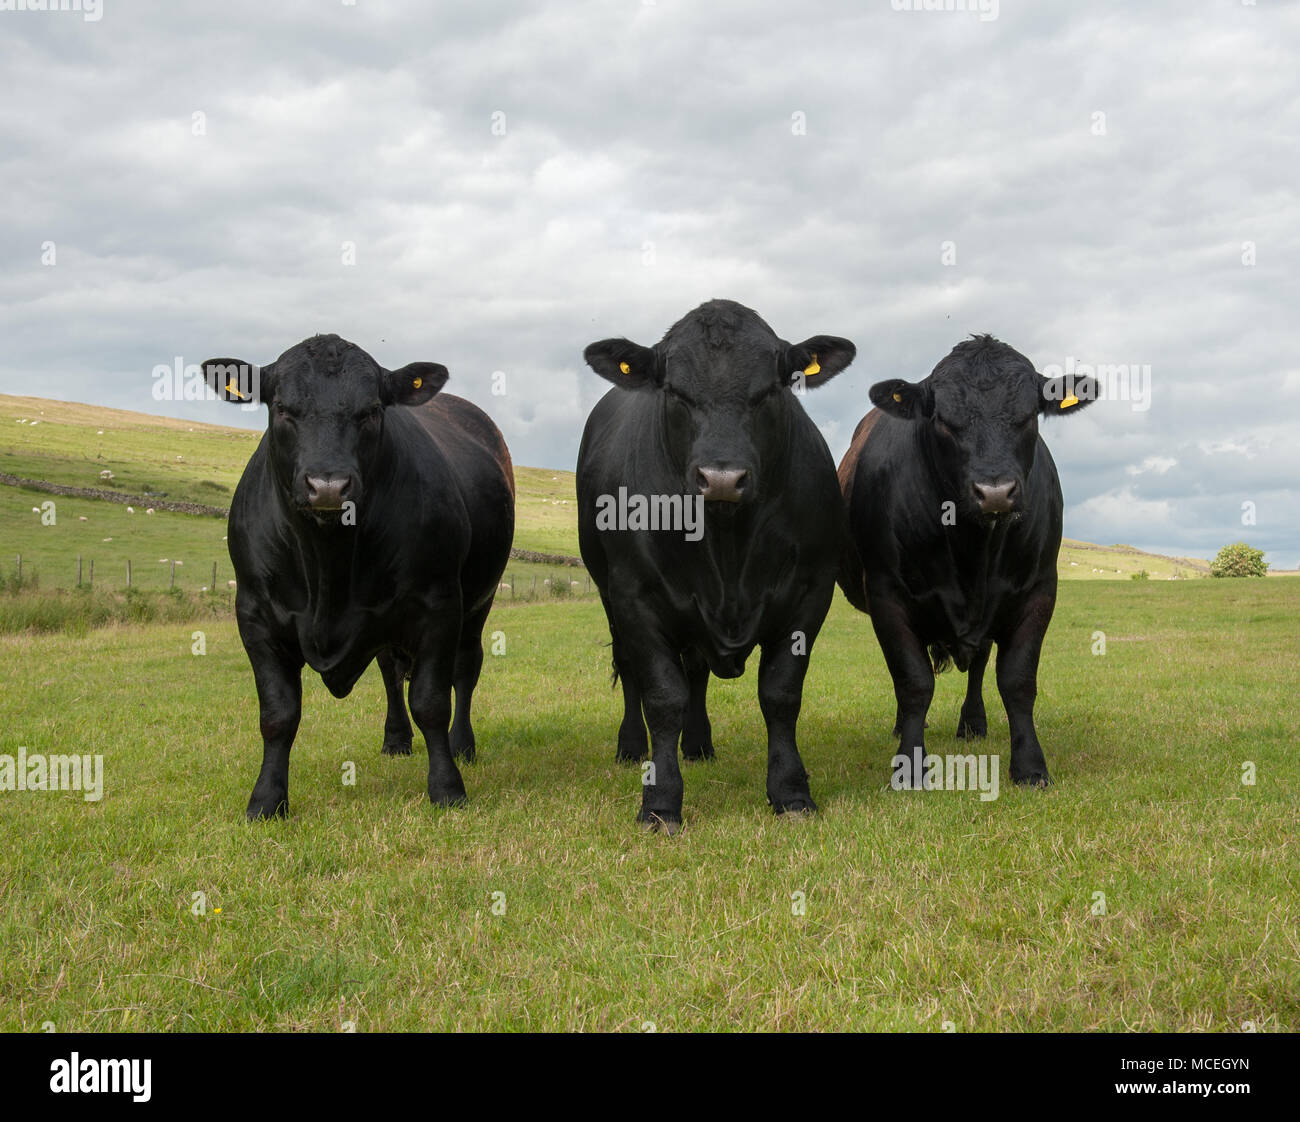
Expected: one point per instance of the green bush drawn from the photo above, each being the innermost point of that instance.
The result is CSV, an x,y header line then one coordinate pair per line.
x,y
1141,574
1239,560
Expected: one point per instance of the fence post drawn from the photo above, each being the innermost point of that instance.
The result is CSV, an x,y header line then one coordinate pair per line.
x,y
214,576
128,574
20,568
78,570
91,582
173,574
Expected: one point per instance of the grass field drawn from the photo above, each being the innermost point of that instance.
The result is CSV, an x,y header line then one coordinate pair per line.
x,y
369,907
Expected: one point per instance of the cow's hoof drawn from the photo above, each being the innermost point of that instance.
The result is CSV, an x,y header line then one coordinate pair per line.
x,y
262,809
697,752
464,751
656,822
396,746
972,728
631,753
448,796
801,805
1032,779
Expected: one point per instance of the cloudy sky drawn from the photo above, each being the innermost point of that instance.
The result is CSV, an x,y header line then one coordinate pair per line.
x,y
493,186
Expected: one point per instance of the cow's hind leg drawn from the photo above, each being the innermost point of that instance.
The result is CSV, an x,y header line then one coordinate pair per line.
x,y
697,736
279,699
469,665
397,726
973,722
633,744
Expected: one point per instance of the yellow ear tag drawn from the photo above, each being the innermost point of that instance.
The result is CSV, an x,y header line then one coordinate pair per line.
x,y
418,383
812,368
233,388
623,366
1071,400
898,397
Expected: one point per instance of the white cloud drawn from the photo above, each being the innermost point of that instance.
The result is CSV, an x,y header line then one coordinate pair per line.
x,y
1157,464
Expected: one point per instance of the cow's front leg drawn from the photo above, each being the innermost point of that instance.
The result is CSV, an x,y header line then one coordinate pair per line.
x,y
278,674
1017,669
432,673
397,726
973,721
913,676
780,696
661,681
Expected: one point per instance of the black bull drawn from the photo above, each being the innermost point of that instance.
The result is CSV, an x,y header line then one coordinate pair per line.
x,y
709,416
373,521
954,511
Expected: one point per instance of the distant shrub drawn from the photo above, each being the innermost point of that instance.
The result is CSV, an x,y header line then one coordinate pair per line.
x,y
1239,560
1141,574
560,587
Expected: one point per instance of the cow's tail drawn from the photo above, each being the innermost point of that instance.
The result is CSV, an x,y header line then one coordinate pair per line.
x,y
852,576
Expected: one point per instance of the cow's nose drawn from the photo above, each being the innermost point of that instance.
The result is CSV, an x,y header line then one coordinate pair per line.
x,y
721,485
328,491
996,498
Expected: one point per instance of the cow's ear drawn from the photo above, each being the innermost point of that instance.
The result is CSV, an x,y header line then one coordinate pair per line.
x,y
414,384
232,379
907,400
818,359
1067,394
623,362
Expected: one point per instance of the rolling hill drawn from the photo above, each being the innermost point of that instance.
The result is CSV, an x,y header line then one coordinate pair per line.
x,y
163,460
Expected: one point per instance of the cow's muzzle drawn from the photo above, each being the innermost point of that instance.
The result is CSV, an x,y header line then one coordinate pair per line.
x,y
997,497
329,491
721,485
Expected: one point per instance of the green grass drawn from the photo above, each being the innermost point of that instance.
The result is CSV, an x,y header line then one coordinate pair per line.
x,y
922,907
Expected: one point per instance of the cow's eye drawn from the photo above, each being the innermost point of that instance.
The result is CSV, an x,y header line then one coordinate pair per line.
x,y
281,412
947,428
369,416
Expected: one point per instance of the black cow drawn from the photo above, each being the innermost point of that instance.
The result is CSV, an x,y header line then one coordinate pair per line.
x,y
373,522
954,506
708,418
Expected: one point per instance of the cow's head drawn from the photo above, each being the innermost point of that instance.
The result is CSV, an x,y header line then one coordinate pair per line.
x,y
724,380
978,415
327,399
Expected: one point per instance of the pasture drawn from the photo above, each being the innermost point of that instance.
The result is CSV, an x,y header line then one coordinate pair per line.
x,y
888,910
